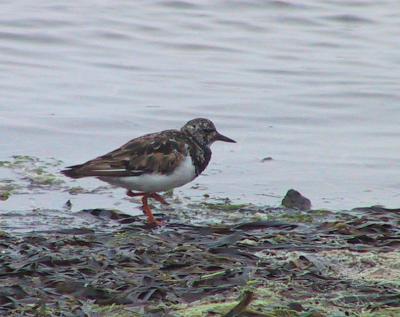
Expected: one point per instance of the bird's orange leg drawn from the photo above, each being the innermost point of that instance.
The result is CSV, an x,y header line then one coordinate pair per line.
x,y
132,194
155,196
159,198
147,211
146,208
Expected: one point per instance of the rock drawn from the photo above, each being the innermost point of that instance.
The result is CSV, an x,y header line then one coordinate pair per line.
x,y
4,195
266,159
293,199
68,205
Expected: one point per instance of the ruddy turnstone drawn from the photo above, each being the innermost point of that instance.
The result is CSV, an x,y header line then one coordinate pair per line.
x,y
155,162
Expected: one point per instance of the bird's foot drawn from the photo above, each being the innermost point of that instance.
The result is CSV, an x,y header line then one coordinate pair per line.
x,y
156,223
152,222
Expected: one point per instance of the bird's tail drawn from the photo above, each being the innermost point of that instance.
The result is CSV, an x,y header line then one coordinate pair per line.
x,y
73,171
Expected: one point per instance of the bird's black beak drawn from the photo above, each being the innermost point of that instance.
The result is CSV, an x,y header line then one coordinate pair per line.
x,y
220,137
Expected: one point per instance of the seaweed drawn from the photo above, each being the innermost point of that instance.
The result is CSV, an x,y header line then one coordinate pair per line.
x,y
339,264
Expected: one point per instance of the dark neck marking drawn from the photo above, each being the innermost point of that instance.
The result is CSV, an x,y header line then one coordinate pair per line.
x,y
200,154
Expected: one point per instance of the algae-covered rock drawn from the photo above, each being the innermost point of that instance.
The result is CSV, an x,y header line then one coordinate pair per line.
x,y
294,199
5,195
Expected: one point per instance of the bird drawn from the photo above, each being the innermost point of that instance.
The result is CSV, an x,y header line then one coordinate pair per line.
x,y
155,162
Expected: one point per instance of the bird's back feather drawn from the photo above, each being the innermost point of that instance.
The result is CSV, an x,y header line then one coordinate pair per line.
x,y
152,153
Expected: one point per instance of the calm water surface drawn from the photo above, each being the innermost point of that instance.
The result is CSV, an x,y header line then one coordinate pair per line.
x,y
312,84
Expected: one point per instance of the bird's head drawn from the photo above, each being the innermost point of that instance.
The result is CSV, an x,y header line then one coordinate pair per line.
x,y
204,131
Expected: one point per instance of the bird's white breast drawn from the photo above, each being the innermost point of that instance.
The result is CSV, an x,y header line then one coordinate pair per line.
x,y
151,183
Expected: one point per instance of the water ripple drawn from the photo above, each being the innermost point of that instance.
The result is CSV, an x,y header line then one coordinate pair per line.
x,y
300,81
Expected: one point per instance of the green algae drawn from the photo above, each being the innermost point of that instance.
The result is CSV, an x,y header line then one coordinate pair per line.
x,y
388,312
8,187
223,206
298,217
201,310
266,303
34,172
110,311
75,190
320,212
44,179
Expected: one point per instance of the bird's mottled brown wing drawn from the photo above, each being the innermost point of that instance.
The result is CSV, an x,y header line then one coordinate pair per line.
x,y
157,152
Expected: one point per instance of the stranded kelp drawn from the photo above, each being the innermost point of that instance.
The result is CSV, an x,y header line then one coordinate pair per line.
x,y
262,262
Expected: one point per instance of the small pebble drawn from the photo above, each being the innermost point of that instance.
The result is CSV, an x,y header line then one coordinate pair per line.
x,y
265,159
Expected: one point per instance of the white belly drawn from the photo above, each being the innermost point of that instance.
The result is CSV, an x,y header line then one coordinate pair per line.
x,y
151,183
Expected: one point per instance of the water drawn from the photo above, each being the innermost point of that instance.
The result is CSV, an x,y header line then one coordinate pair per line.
x,y
314,85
